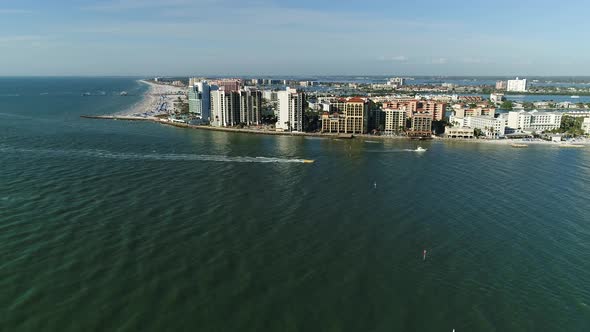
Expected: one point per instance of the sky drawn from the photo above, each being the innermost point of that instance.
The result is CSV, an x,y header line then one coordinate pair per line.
x,y
306,37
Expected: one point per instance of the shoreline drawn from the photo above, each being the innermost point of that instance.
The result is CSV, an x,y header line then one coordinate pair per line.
x,y
505,142
156,94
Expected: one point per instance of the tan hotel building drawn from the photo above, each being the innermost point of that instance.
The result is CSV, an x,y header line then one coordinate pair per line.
x,y
421,125
413,106
395,120
347,116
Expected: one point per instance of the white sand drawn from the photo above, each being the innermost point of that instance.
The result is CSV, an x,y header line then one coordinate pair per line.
x,y
158,99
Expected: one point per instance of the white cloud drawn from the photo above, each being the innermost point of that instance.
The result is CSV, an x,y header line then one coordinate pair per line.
x,y
400,58
397,58
439,61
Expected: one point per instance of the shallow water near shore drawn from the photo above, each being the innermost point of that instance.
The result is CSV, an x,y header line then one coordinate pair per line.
x,y
114,225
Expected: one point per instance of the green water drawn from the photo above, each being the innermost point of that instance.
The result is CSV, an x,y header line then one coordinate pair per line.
x,y
120,226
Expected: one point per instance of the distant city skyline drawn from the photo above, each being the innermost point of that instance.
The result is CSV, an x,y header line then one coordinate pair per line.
x,y
269,38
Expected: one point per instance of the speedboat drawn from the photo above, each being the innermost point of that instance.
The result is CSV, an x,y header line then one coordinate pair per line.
x,y
420,149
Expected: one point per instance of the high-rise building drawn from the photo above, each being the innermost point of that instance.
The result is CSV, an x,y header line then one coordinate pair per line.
x,y
517,85
290,110
231,108
228,84
225,108
399,81
422,124
437,109
250,107
199,102
501,85
355,112
347,116
395,120
332,123
412,106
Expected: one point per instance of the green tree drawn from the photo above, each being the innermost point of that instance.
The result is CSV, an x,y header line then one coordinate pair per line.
x,y
571,125
507,105
528,105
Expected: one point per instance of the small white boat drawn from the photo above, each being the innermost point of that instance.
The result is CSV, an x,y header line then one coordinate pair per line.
x,y
575,97
123,93
420,149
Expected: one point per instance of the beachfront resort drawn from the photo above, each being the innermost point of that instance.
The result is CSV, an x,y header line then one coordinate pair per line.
x,y
394,109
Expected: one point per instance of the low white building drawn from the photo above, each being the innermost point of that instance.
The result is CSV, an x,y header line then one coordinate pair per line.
x,y
532,121
578,114
459,132
382,87
542,121
496,97
516,121
586,126
491,127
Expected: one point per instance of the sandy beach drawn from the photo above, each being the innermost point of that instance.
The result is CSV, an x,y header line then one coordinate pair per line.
x,y
158,99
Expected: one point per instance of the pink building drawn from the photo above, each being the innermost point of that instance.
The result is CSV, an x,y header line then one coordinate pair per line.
x,y
228,84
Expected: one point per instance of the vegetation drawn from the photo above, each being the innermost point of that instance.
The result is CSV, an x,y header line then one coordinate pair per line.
x,y
439,126
507,105
477,132
182,107
311,121
528,105
268,119
570,126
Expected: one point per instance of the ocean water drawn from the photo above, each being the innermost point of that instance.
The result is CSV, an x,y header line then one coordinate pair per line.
x,y
128,226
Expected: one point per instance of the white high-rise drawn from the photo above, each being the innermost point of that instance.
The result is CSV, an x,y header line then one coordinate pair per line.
x,y
290,115
225,108
517,85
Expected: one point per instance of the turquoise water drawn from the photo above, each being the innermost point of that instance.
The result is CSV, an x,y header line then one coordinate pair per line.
x,y
113,225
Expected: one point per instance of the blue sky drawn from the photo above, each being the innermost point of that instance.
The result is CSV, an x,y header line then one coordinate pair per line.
x,y
268,37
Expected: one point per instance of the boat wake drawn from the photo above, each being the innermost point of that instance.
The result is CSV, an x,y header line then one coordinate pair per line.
x,y
395,150
150,156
